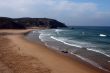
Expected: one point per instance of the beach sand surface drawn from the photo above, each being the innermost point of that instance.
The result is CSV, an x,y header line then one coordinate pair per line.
x,y
25,56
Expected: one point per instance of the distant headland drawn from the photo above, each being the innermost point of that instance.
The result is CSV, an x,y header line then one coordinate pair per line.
x,y
24,23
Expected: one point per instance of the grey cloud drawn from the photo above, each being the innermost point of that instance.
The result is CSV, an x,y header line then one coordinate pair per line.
x,y
71,13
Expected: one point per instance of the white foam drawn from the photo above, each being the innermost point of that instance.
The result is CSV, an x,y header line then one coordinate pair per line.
x,y
43,38
60,40
91,62
74,43
58,30
98,51
33,32
102,35
40,37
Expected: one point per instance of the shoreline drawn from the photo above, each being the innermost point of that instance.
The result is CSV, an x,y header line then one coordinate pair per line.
x,y
74,57
56,62
78,57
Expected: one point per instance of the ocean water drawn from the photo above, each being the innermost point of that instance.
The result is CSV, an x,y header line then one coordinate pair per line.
x,y
91,44
93,38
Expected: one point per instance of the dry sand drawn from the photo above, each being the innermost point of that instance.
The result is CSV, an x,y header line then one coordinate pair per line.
x,y
18,55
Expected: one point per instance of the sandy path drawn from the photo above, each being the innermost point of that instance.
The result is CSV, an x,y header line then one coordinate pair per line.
x,y
56,62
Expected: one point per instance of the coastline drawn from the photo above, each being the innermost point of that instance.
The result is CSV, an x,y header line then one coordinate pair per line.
x,y
56,62
95,59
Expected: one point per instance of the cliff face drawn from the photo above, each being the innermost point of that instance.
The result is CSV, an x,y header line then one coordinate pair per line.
x,y
16,23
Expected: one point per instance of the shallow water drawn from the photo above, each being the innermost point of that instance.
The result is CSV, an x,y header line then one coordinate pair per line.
x,y
88,43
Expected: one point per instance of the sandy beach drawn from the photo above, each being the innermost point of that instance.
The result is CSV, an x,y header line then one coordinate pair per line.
x,y
19,55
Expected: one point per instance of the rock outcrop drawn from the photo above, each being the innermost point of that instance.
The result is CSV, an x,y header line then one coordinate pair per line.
x,y
8,23
22,23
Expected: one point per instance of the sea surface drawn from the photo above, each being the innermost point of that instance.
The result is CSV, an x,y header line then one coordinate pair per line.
x,y
91,44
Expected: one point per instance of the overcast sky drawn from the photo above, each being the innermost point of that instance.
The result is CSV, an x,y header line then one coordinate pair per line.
x,y
71,12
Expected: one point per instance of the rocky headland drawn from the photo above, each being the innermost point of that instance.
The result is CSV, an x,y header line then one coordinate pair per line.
x,y
23,23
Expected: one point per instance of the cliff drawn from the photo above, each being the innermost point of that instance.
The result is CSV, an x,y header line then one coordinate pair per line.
x,y
23,23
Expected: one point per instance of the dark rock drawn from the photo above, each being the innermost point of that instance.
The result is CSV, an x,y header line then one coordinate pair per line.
x,y
40,22
64,51
22,23
7,23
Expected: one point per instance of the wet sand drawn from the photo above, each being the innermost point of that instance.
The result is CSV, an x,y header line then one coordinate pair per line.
x,y
19,55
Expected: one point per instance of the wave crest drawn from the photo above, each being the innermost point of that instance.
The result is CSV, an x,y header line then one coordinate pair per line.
x,y
102,35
